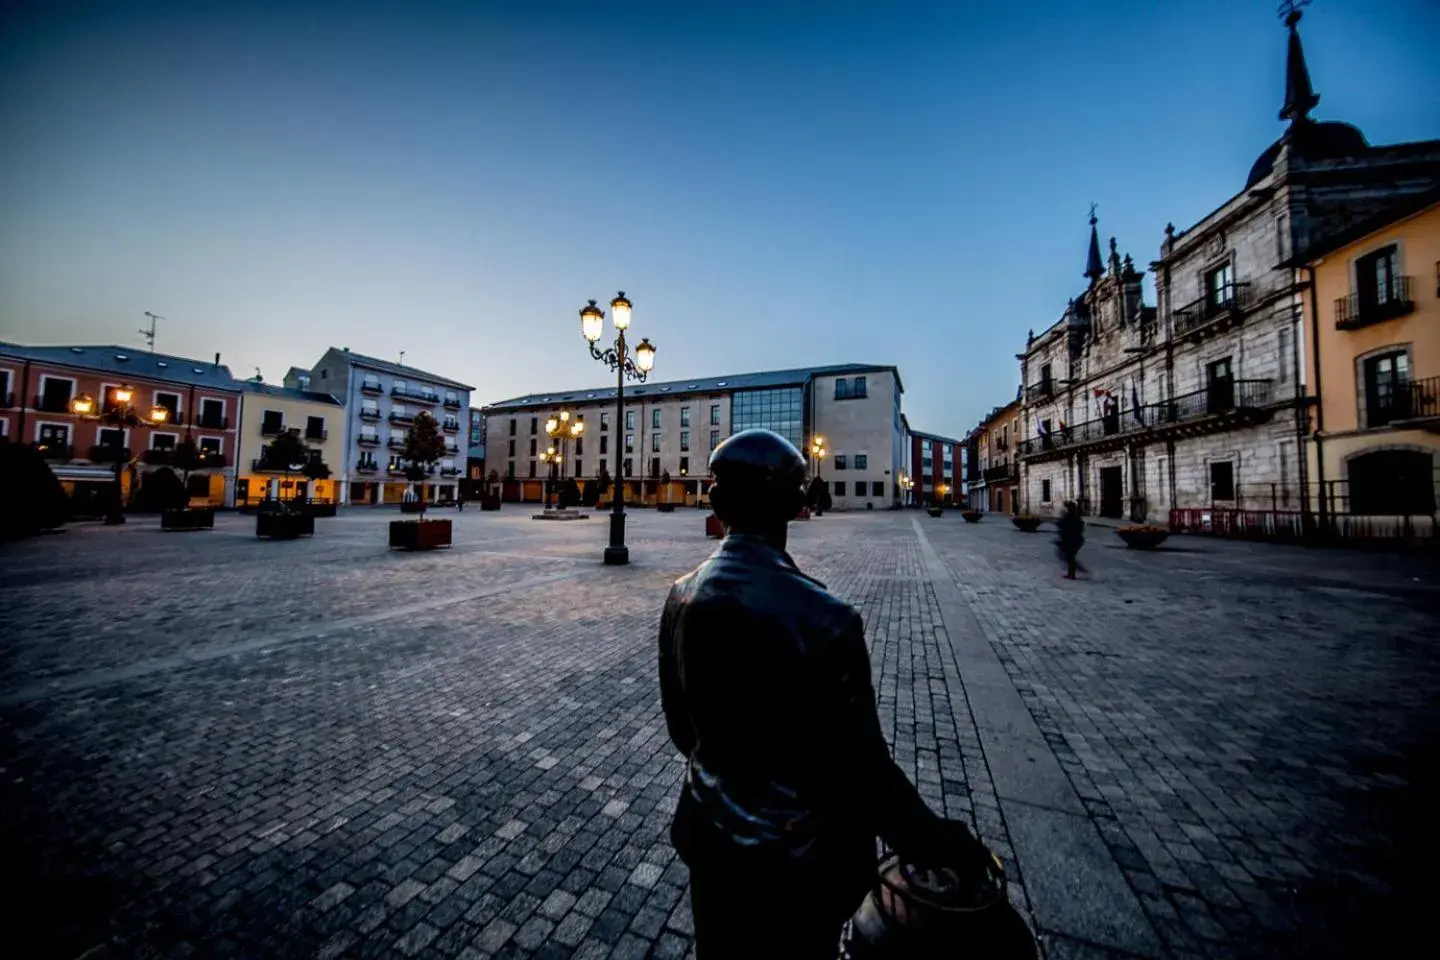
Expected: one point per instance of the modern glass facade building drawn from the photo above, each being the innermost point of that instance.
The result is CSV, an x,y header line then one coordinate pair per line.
x,y
781,409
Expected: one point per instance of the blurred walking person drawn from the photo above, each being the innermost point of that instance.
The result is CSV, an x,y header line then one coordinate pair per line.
x,y
1071,539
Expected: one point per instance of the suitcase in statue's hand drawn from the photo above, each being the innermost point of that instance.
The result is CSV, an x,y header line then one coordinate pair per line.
x,y
929,914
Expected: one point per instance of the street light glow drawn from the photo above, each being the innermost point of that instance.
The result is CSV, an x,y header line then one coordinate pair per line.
x,y
123,395
592,321
644,354
82,405
620,312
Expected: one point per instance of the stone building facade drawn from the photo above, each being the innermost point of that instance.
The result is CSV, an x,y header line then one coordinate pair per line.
x,y
1201,403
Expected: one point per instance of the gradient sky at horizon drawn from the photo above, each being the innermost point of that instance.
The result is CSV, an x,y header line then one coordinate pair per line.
x,y
775,185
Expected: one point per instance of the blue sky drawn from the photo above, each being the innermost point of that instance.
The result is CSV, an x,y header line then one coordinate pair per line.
x,y
774,184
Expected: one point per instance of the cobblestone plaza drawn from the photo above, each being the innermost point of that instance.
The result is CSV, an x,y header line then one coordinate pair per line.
x,y
216,746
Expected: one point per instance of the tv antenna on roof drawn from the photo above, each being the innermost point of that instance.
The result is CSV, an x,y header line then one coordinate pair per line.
x,y
402,358
149,335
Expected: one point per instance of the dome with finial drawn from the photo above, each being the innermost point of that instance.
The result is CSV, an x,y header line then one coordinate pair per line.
x,y
1308,139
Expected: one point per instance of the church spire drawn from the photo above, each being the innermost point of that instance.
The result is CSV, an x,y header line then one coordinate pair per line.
x,y
1300,97
1094,268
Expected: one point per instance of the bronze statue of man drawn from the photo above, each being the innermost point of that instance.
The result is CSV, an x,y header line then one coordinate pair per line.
x,y
765,681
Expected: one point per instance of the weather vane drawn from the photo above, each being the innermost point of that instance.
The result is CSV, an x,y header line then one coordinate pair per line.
x,y
1092,213
1290,11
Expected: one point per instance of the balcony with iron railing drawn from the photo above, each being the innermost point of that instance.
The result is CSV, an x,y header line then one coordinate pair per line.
x,y
395,443
369,440
1043,390
402,418
316,435
415,393
449,471
996,474
451,426
371,386
395,466
452,402
366,466
272,428
368,414
212,422
1218,399
1407,402
1223,303
109,453
1376,305
53,405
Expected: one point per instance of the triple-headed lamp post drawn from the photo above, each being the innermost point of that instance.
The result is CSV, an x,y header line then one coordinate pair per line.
x,y
817,453
636,367
559,428
120,414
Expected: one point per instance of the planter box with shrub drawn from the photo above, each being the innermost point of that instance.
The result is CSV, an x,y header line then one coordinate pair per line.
x,y
935,511
187,519
284,525
1026,523
1142,536
971,516
419,534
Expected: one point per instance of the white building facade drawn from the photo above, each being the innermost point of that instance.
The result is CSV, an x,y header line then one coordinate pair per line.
x,y
669,429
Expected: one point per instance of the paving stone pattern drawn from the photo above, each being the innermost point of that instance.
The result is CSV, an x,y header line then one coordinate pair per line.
x,y
1251,727
213,746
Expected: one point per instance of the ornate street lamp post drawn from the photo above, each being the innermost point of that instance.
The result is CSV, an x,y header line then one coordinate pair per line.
x,y
636,367
817,453
559,428
120,414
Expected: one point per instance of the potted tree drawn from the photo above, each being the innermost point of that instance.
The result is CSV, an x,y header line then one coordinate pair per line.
x,y
1026,522
277,519
971,515
317,469
664,505
186,457
491,499
424,446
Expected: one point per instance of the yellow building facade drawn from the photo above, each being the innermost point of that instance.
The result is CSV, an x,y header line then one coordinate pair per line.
x,y
265,412
1373,312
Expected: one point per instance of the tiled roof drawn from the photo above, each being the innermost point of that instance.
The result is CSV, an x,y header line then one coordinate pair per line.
x,y
672,388
124,361
400,370
271,390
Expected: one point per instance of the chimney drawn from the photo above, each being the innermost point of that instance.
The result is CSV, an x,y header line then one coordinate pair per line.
x,y
217,359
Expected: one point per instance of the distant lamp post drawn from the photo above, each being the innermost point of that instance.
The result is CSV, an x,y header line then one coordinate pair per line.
x,y
559,428
636,365
120,414
905,484
817,453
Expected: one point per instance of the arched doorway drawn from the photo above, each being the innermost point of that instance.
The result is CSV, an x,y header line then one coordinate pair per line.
x,y
1392,483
